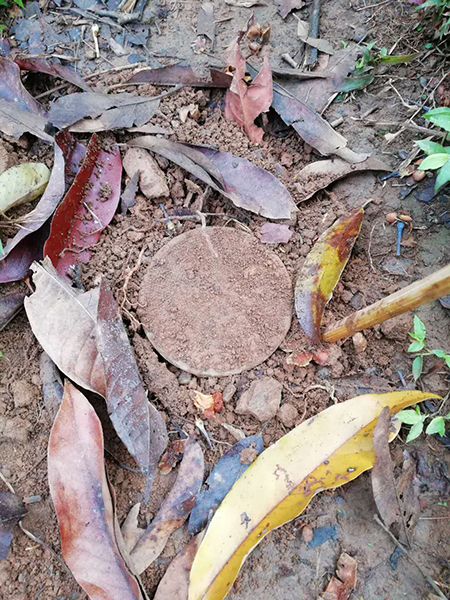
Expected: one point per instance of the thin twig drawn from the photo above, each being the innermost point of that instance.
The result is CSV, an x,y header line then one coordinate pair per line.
x,y
429,580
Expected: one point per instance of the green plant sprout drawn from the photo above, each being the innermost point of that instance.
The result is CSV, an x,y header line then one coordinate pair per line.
x,y
419,349
6,3
438,155
442,9
417,420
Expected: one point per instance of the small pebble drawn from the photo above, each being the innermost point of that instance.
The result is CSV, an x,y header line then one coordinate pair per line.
x,y
359,343
228,392
184,378
288,414
419,175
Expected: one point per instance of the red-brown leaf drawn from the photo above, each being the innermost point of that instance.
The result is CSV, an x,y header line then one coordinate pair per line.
x,y
13,91
43,65
83,503
244,102
87,209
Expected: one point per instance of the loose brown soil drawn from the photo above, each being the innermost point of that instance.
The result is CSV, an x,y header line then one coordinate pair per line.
x,y
282,566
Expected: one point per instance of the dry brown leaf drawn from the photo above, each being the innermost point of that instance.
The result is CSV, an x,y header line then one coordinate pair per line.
x,y
341,587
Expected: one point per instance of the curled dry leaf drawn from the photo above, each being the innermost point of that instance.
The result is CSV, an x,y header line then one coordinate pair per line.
x,y
12,510
321,271
246,185
87,208
13,91
314,456
45,65
17,264
113,112
171,456
246,101
174,510
175,583
22,183
341,586
10,305
319,175
383,481
222,478
83,503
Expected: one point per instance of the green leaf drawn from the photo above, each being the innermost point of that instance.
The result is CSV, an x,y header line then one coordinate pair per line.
x,y
410,417
417,367
419,328
1,248
437,425
439,353
416,347
439,116
19,3
430,147
435,161
414,432
443,176
395,60
447,361
355,83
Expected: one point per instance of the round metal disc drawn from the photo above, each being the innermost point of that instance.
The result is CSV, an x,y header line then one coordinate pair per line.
x,y
215,301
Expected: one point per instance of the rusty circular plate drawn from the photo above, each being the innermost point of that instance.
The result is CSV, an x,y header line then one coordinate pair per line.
x,y
215,302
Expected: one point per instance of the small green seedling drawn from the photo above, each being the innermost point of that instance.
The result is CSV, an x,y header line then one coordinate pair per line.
x,y
417,420
420,350
438,155
442,10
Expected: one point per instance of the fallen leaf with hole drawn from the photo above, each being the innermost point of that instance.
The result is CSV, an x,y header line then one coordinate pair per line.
x,y
51,67
246,101
205,28
236,178
245,278
22,184
87,208
316,455
322,270
52,386
319,175
174,510
342,586
175,583
13,91
181,73
383,481
83,503
273,233
12,510
408,493
226,472
284,7
10,305
139,425
106,112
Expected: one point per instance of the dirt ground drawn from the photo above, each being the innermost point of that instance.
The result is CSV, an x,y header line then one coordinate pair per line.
x,y
283,566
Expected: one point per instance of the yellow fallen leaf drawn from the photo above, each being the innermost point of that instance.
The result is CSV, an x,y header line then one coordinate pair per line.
x,y
22,183
328,450
203,401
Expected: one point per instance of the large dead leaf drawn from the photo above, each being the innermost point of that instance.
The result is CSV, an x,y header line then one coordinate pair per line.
x,y
330,449
87,208
83,504
246,185
319,175
12,90
12,510
246,101
113,111
321,271
22,183
15,121
68,325
181,73
175,583
383,482
174,510
128,407
45,65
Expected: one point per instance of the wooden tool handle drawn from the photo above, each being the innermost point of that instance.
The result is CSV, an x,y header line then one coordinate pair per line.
x,y
414,295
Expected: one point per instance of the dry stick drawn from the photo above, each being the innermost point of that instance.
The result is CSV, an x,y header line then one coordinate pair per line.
x,y
408,555
311,53
420,292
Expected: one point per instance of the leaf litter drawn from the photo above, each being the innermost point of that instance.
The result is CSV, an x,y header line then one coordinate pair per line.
x,y
12,510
